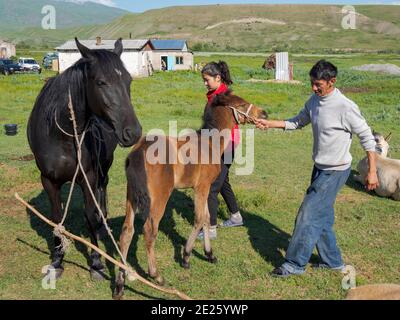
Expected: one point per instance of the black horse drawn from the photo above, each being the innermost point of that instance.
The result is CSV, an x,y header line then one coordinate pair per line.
x,y
100,89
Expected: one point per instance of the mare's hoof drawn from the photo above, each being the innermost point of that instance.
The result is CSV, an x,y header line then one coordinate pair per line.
x,y
186,265
59,273
159,280
97,275
118,293
212,260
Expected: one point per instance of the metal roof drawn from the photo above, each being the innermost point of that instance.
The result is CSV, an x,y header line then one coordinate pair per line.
x,y
168,44
105,44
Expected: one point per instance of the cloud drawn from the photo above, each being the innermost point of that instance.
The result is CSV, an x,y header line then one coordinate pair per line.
x,y
109,3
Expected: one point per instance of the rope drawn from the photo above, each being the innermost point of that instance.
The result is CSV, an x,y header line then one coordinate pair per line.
x,y
96,134
73,119
128,269
245,114
61,129
65,243
60,231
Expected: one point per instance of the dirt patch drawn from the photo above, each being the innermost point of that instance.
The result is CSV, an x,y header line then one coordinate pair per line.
x,y
296,82
28,157
356,90
248,21
382,68
352,198
9,172
11,207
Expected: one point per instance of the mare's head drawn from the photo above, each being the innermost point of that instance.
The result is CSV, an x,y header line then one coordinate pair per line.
x,y
108,91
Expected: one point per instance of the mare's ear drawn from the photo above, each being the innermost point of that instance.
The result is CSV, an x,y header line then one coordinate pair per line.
x,y
118,47
85,52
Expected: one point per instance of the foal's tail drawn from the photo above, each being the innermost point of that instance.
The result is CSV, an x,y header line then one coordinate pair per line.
x,y
138,193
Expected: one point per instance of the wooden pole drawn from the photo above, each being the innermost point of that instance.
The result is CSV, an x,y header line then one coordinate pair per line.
x,y
101,252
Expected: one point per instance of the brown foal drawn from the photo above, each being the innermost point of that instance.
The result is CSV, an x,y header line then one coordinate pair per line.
x,y
153,182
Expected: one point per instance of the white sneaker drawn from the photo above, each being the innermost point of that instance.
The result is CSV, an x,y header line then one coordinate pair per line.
x,y
235,220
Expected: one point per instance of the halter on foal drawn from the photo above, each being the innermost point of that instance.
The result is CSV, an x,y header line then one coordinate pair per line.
x,y
159,180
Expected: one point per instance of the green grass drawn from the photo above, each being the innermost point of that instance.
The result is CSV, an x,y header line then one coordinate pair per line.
x,y
367,226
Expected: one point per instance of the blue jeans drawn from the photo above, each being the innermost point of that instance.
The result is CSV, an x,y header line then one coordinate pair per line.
x,y
314,223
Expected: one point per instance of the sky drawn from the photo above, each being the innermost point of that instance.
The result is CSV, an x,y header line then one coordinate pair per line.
x,y
143,5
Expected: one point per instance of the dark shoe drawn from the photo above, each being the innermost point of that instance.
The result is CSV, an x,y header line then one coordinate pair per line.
x,y
281,272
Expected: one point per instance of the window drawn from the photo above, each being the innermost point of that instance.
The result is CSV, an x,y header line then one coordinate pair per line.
x,y
179,60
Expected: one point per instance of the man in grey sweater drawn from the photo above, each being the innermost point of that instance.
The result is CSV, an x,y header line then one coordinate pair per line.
x,y
334,118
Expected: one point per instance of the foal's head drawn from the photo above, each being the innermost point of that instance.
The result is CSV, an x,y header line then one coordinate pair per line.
x,y
243,112
108,91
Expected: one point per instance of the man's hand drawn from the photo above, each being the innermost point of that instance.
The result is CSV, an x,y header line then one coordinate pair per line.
x,y
269,124
371,182
261,124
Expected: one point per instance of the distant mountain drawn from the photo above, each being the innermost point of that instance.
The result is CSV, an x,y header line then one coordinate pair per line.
x,y
20,14
251,28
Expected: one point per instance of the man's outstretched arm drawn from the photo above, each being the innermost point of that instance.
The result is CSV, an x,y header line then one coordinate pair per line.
x,y
297,122
270,124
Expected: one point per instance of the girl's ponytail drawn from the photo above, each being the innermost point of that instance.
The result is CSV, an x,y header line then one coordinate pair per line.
x,y
225,74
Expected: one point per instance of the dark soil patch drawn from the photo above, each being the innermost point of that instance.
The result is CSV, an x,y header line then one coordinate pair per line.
x,y
28,157
356,90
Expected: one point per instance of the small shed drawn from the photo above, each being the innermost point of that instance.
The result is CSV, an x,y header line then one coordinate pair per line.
x,y
7,50
136,55
171,55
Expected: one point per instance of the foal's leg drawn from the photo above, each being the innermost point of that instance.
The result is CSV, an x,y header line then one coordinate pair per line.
x,y
94,222
207,243
53,190
124,243
157,209
202,219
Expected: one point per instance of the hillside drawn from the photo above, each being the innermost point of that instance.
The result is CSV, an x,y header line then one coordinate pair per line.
x,y
16,15
251,28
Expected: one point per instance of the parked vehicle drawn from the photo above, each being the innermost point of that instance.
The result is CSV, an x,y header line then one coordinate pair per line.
x,y
7,67
29,64
48,59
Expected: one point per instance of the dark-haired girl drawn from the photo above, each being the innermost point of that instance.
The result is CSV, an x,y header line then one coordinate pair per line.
x,y
217,80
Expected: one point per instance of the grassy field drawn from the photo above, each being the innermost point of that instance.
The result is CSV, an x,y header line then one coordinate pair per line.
x,y
368,227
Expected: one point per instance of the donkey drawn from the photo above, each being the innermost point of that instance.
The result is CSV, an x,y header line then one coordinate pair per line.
x,y
100,89
158,180
388,170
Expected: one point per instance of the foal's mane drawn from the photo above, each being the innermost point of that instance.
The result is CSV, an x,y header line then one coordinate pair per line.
x,y
220,100
54,95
